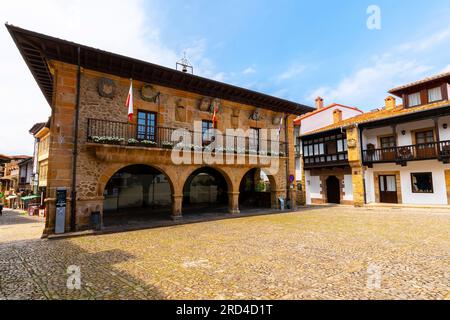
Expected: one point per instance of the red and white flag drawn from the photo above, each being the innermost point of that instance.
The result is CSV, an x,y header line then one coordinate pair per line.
x,y
129,103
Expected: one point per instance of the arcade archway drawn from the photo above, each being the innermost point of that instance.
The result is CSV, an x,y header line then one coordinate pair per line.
x,y
205,191
256,190
137,193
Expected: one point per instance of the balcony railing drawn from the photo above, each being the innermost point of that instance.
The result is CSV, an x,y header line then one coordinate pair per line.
x,y
424,151
326,160
126,134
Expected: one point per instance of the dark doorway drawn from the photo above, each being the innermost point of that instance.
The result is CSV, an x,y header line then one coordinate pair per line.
x,y
205,190
333,190
136,193
388,189
255,190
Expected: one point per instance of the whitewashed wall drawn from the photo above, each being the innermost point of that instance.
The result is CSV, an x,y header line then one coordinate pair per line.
x,y
435,167
313,188
348,188
325,118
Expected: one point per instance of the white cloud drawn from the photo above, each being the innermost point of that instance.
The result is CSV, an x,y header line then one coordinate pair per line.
x,y
375,80
427,43
446,69
249,70
122,27
367,86
293,71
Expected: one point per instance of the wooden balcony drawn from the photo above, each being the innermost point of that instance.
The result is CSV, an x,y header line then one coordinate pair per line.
x,y
326,160
126,134
401,155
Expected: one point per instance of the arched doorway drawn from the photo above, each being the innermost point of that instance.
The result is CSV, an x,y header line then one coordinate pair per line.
x,y
333,190
205,190
255,190
137,193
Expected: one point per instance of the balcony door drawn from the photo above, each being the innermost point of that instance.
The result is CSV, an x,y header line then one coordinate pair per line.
x,y
388,148
253,142
388,189
146,128
426,147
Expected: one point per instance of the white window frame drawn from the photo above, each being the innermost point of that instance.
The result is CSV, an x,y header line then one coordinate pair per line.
x,y
417,99
438,92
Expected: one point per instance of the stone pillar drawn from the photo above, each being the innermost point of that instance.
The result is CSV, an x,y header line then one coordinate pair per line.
x,y
354,159
177,205
358,185
233,199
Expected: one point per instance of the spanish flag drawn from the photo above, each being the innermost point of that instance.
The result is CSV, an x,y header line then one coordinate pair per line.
x,y
129,103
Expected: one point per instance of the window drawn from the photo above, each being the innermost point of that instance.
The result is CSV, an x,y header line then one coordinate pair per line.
x,y
207,135
425,137
422,182
297,131
435,94
254,140
387,142
414,99
146,129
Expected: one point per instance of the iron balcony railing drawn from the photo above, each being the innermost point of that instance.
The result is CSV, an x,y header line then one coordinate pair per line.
x,y
423,151
326,160
126,134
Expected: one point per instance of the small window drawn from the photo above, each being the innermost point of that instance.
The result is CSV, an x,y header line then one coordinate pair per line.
x,y
435,94
414,99
422,182
425,137
387,142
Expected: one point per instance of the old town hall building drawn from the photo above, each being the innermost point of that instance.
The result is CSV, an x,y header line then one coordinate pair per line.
x,y
109,167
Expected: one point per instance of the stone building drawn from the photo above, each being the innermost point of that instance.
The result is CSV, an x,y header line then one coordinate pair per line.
x,y
399,154
113,167
41,134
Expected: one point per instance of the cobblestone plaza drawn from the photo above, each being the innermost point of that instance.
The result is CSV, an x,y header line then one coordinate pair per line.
x,y
316,253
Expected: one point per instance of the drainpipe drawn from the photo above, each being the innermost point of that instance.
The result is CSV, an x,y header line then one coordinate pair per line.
x,y
288,197
362,158
75,148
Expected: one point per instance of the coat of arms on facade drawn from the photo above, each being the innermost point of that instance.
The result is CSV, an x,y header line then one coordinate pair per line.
x,y
149,94
276,120
106,88
209,105
256,115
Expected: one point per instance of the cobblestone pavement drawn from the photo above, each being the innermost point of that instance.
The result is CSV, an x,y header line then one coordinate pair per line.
x,y
319,253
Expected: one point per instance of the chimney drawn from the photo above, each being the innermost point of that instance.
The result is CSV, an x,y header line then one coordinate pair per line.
x,y
337,116
390,103
319,103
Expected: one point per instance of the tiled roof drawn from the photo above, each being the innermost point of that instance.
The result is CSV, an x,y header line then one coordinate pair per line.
x,y
419,82
37,127
379,115
309,114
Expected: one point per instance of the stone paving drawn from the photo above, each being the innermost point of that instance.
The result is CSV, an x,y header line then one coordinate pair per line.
x,y
317,253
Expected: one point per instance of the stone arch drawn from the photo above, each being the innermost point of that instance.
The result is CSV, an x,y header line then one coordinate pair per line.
x,y
198,195
113,169
222,171
135,192
274,191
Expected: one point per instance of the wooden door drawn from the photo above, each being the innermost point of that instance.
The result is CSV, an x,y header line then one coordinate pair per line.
x,y
388,189
426,148
333,190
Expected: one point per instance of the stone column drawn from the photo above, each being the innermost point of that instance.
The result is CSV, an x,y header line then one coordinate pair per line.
x,y
177,205
354,159
233,198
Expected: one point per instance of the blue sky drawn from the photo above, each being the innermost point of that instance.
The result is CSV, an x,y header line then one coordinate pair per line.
x,y
320,42
292,49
